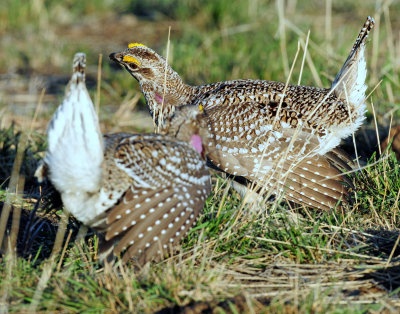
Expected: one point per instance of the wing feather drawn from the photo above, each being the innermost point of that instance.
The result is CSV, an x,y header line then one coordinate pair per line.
x,y
284,157
169,186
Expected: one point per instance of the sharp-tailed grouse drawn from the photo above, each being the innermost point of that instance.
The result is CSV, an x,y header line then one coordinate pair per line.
x,y
280,138
142,191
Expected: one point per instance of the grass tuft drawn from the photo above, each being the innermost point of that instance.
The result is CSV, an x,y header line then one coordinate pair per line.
x,y
238,258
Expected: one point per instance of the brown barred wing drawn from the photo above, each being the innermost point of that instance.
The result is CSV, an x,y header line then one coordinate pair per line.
x,y
313,182
284,158
147,229
170,183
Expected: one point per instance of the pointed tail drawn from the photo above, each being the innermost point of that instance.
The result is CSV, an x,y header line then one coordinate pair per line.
x,y
350,81
78,67
75,143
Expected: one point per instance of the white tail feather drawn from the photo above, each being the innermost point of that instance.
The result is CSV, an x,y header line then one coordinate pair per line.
x,y
75,143
349,83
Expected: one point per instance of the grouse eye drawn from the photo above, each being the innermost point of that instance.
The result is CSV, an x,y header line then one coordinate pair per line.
x,y
131,61
133,66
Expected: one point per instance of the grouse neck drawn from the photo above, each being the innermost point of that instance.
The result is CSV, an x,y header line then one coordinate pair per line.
x,y
164,96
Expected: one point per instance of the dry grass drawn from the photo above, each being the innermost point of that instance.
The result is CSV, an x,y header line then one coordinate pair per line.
x,y
234,260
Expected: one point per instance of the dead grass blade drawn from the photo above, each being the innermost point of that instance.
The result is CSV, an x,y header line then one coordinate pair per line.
x,y
48,268
12,190
98,94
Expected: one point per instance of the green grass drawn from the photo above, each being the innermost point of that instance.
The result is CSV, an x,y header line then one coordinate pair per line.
x,y
343,260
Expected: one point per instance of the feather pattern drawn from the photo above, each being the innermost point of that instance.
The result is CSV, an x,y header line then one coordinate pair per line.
x,y
256,128
140,191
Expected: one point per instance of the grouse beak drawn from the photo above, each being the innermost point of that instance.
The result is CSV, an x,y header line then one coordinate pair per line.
x,y
115,56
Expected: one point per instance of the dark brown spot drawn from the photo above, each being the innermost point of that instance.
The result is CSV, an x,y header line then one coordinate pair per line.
x,y
147,72
273,105
148,55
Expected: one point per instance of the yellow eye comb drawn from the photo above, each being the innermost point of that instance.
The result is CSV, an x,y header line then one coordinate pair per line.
x,y
130,59
131,45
